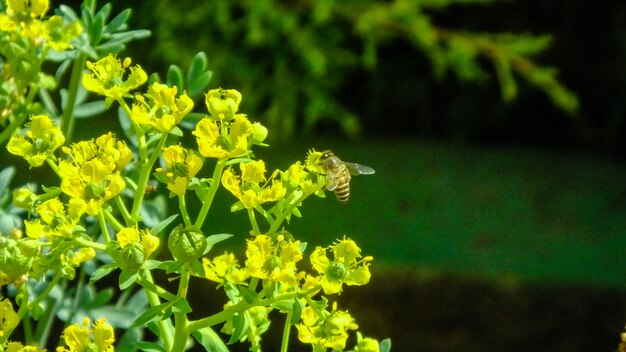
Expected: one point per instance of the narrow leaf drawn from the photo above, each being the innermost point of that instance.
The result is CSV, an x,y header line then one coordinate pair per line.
x,y
163,224
209,340
102,271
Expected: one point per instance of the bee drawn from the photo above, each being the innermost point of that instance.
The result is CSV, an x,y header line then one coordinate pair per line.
x,y
150,189
338,174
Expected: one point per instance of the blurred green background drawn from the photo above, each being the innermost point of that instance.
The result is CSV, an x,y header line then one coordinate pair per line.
x,y
497,128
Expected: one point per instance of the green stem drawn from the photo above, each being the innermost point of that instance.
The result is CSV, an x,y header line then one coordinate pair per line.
x,y
68,119
87,243
270,220
7,132
280,218
103,226
53,166
208,199
163,325
112,220
182,205
128,219
144,174
286,331
161,292
181,333
243,306
255,226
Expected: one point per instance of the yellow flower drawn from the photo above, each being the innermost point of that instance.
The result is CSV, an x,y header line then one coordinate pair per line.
x,y
329,330
229,142
27,8
103,335
108,77
346,266
181,165
92,175
131,235
41,140
18,347
58,36
223,103
165,110
79,339
368,345
224,268
92,183
274,259
8,318
55,219
248,190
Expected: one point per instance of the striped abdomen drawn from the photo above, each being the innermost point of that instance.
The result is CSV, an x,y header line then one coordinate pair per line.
x,y
343,184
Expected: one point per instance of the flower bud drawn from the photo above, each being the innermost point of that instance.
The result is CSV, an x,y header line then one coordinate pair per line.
x,y
24,198
368,345
16,258
259,133
186,245
132,257
223,103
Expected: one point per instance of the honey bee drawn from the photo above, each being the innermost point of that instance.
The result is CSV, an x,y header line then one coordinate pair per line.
x,y
150,189
338,174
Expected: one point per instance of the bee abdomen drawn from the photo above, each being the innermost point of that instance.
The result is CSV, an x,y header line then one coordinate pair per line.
x,y
343,192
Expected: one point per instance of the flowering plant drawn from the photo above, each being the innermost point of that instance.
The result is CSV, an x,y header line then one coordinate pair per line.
x,y
94,219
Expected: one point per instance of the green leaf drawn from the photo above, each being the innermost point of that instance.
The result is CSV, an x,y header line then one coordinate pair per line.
x,y
158,228
175,77
181,306
48,103
196,268
149,347
297,311
240,327
110,47
199,84
209,340
68,12
214,239
237,207
90,109
127,279
102,271
152,211
156,313
249,295
197,66
95,33
5,178
118,22
384,345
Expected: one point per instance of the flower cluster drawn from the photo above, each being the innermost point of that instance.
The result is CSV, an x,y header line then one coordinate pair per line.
x,y
226,134
160,108
325,329
346,267
97,337
181,165
108,77
274,260
93,216
91,175
24,19
41,139
252,189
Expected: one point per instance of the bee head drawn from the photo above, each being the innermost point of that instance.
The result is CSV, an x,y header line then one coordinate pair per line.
x,y
327,154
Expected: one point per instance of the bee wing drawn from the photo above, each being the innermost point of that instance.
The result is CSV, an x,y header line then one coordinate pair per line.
x,y
358,169
331,182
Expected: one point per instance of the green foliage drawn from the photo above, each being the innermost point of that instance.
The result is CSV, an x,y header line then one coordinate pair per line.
x,y
297,55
